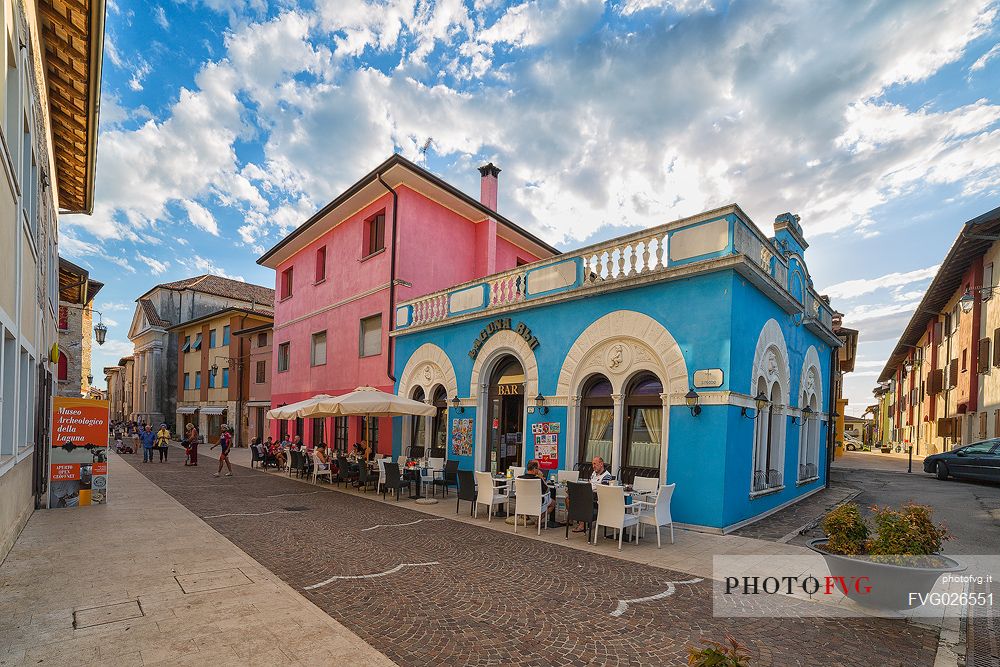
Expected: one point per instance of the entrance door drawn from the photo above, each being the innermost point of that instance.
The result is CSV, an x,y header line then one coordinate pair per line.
x,y
506,416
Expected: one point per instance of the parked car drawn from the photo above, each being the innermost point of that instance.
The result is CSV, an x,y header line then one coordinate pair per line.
x,y
852,444
980,460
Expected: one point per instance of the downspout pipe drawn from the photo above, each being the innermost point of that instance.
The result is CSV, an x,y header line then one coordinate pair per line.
x,y
392,279
831,424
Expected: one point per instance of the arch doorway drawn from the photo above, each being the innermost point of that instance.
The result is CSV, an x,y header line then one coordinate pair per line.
x,y
439,431
597,416
643,428
418,428
505,418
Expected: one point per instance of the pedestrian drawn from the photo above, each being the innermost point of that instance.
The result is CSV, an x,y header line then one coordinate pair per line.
x,y
191,440
163,442
226,442
147,438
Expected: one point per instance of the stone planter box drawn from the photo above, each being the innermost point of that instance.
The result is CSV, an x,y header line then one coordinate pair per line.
x,y
887,586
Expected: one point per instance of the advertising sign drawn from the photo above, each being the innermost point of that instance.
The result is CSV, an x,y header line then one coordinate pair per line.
x,y
546,444
461,436
78,470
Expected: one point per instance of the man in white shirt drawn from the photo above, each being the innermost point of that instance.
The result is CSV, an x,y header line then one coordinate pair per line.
x,y
600,475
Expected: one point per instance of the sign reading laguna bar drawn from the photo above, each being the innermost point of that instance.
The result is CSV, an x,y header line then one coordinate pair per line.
x,y
78,470
501,324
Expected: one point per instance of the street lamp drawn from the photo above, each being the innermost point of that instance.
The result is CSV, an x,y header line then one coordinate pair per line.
x,y
540,404
100,332
90,380
967,301
457,404
692,399
760,401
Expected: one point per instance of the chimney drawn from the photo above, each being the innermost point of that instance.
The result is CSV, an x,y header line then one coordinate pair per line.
x,y
488,185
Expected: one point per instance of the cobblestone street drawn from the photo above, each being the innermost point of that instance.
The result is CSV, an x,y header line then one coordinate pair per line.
x,y
426,591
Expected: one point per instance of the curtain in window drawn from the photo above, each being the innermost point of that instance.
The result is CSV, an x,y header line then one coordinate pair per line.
x,y
644,441
599,441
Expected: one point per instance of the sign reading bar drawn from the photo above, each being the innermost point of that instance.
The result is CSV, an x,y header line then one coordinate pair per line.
x,y
501,324
78,470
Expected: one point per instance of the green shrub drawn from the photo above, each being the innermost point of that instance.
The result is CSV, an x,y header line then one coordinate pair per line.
x,y
846,529
908,531
717,654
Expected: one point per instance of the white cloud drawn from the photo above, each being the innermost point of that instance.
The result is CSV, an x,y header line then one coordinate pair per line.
x,y
160,16
155,266
200,217
985,58
850,289
200,264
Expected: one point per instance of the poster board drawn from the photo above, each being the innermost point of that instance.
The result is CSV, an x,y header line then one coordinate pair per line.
x,y
461,436
78,459
546,436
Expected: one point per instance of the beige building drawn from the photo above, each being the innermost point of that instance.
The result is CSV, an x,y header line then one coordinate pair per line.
x,y
115,391
944,374
213,371
259,340
153,394
75,320
50,52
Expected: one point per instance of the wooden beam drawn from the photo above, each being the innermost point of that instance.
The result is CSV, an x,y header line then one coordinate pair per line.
x,y
69,119
63,21
51,34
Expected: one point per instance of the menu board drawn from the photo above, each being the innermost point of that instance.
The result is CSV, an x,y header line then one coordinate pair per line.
x,y
78,460
546,436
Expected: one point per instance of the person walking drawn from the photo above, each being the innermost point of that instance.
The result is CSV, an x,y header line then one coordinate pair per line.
x,y
163,442
147,438
191,440
226,442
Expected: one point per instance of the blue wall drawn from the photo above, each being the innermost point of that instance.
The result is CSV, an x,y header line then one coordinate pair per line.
x,y
716,319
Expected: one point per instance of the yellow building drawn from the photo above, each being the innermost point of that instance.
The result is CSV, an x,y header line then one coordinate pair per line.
x,y
50,52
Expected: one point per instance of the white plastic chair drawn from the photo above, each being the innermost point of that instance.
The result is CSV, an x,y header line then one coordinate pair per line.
x,y
328,473
529,501
487,493
568,476
381,474
611,512
658,514
646,484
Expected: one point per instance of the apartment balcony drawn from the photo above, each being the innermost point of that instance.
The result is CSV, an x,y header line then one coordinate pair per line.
x,y
723,239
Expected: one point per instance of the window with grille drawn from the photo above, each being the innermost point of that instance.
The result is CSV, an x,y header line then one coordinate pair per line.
x,y
262,339
261,372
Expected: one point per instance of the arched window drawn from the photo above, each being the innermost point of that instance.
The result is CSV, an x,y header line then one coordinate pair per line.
x,y
643,427
418,428
769,435
597,412
439,427
809,439
63,370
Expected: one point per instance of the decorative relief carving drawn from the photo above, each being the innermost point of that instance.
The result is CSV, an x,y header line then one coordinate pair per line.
x,y
618,357
765,258
428,374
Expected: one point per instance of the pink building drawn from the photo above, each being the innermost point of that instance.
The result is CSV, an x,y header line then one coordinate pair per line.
x,y
398,233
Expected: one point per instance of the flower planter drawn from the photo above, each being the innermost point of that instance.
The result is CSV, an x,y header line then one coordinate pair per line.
x,y
886,586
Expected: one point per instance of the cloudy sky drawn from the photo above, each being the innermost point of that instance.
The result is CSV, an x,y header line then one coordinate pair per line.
x,y
226,123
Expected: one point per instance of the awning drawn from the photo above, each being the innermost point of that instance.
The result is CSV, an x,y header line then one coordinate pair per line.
x,y
213,409
187,409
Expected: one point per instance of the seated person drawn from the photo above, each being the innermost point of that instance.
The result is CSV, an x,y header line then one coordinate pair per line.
x,y
533,471
601,474
366,451
322,456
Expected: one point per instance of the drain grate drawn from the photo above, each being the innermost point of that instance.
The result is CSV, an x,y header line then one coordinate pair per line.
x,y
983,633
296,509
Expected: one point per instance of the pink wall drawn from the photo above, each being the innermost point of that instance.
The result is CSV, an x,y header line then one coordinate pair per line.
x,y
437,248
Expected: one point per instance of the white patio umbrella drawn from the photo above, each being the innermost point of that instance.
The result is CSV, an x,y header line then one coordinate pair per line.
x,y
292,410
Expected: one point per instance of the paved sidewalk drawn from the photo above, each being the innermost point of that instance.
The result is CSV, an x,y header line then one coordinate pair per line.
x,y
143,581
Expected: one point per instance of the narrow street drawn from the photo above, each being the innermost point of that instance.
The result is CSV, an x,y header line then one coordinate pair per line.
x,y
970,510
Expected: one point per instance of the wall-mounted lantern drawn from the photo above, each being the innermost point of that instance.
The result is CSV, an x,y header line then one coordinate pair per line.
x,y
540,404
692,399
760,401
457,404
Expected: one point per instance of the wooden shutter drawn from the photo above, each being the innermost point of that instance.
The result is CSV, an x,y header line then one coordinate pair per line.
x,y
996,347
936,381
945,427
953,373
938,335
982,425
984,356
996,423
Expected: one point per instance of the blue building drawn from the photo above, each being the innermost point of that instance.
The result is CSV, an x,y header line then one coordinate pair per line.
x,y
697,352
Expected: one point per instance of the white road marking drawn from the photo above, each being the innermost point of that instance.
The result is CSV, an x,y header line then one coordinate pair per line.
x,y
396,525
216,516
623,604
306,493
369,576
